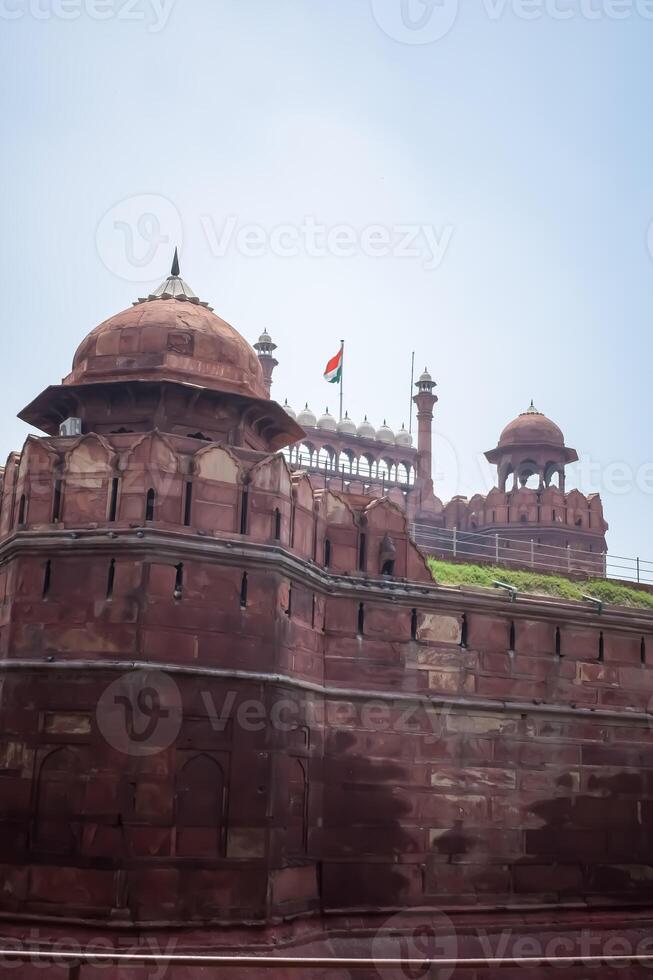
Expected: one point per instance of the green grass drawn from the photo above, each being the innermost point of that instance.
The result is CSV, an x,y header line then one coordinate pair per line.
x,y
612,593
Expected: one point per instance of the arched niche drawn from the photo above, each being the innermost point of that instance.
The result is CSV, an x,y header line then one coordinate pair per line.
x,y
60,792
217,464
200,796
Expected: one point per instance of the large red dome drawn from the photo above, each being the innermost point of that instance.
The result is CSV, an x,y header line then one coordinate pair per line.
x,y
531,428
171,336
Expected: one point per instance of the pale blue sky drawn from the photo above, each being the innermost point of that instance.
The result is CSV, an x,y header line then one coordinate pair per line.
x,y
523,147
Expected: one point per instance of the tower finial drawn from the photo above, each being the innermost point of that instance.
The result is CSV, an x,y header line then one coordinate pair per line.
x,y
174,271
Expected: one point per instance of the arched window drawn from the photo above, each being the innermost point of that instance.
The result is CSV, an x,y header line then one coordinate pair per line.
x,y
364,466
529,475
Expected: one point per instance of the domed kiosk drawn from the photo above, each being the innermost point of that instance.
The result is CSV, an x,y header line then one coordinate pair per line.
x,y
531,445
168,356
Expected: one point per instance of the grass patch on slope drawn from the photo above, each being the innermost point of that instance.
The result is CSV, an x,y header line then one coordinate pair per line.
x,y
608,591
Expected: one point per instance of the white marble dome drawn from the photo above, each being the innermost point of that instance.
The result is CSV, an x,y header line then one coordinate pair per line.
x,y
307,418
404,438
346,426
327,422
385,433
288,410
366,430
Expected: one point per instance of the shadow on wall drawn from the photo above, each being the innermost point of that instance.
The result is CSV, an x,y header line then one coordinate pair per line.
x,y
598,844
362,842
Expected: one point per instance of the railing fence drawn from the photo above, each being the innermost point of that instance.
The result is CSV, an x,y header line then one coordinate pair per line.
x,y
494,548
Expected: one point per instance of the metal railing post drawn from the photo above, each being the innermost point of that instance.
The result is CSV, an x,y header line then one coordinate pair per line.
x,y
532,553
568,558
638,571
496,547
455,542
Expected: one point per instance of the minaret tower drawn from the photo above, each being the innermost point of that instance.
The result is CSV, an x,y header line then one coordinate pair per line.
x,y
425,401
265,348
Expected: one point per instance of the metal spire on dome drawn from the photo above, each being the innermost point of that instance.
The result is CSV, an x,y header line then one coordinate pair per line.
x,y
531,410
174,287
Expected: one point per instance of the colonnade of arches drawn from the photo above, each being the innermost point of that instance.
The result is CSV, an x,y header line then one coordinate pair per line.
x,y
365,467
532,475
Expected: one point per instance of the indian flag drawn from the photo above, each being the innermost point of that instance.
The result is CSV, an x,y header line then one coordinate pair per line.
x,y
333,370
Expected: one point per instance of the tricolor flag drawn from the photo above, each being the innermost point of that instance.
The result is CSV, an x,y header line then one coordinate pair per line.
x,y
333,370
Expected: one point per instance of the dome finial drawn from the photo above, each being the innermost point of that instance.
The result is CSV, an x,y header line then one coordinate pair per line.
x,y
174,271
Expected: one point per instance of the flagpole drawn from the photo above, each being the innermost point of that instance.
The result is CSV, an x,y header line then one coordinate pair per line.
x,y
342,367
412,381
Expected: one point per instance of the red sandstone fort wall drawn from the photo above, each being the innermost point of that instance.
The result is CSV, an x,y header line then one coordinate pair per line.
x,y
340,741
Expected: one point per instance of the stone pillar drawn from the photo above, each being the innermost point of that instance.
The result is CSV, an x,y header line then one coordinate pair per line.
x,y
425,401
265,349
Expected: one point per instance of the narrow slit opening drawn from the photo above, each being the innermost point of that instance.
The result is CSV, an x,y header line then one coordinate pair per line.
x,y
362,548
244,511
361,619
113,500
111,578
150,505
179,581
188,505
47,578
56,503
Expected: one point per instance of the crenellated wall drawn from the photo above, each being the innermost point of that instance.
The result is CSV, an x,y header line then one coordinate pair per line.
x,y
341,739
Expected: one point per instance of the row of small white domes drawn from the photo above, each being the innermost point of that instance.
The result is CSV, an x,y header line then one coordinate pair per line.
x,y
347,427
